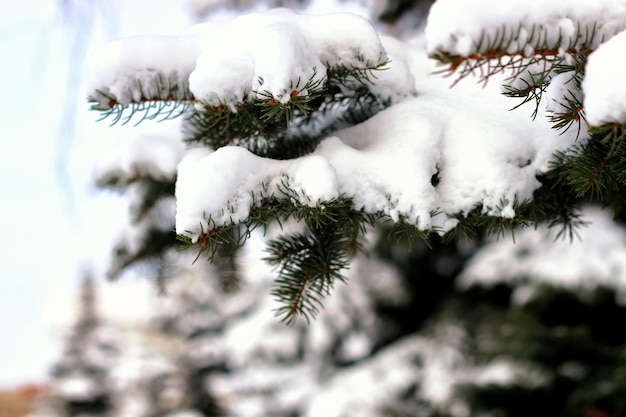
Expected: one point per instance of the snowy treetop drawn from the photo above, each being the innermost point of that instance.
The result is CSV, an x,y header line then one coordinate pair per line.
x,y
274,55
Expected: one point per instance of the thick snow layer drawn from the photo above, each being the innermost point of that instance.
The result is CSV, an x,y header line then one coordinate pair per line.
x,y
604,84
224,63
598,258
216,188
461,27
481,152
140,68
444,151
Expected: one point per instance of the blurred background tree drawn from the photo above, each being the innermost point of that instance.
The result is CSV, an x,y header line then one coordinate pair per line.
x,y
430,327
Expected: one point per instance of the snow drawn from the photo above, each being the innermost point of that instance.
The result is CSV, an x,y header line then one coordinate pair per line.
x,y
463,28
134,69
604,86
430,367
597,259
273,53
210,193
359,390
483,153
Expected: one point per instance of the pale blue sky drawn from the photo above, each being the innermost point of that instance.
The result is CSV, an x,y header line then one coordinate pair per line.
x,y
52,220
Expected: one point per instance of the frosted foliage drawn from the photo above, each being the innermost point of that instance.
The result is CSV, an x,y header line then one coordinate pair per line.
x,y
153,154
462,28
139,68
431,367
367,387
210,193
278,52
598,258
604,86
387,164
274,52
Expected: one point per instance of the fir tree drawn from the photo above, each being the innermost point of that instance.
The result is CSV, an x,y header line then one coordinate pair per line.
x,y
80,380
345,140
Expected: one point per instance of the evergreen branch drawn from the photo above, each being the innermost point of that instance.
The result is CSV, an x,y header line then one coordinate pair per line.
x,y
533,90
495,53
612,134
590,169
163,99
154,244
262,124
146,111
348,75
556,203
407,232
476,224
308,263
336,214
572,113
300,98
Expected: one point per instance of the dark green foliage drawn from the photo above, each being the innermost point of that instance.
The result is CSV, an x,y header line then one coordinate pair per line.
x,y
309,261
285,131
308,264
565,335
594,172
476,224
429,268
